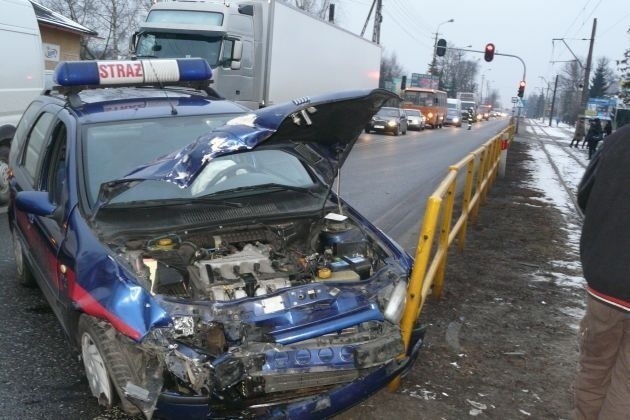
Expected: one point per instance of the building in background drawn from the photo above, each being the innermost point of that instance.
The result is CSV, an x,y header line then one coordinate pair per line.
x,y
61,37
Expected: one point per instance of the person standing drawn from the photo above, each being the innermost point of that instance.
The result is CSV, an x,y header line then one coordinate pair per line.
x,y
579,133
608,128
602,386
593,136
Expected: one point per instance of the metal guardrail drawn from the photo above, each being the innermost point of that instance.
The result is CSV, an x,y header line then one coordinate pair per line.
x,y
481,166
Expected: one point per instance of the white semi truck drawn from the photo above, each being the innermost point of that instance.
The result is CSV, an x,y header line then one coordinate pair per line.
x,y
261,51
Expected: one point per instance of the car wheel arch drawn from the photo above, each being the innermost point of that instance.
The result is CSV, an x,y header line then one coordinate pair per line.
x,y
119,358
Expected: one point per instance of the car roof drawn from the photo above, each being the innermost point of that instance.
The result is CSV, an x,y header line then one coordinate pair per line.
x,y
130,103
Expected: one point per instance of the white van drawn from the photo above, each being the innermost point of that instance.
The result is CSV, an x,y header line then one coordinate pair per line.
x,y
453,112
22,75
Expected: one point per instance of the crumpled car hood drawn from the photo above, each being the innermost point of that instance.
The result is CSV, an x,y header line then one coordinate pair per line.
x,y
321,131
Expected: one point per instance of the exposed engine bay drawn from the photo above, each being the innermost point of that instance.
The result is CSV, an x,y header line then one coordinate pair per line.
x,y
227,264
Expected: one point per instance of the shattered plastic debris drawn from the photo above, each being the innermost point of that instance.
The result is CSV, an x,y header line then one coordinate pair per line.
x,y
524,412
478,407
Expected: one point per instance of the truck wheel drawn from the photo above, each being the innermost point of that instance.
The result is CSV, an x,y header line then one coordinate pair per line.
x,y
4,175
24,273
106,363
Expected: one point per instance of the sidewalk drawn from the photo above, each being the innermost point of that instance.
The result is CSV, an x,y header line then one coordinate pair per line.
x,y
502,341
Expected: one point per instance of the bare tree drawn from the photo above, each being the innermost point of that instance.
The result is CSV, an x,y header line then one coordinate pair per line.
x,y
569,91
317,8
456,73
390,68
114,20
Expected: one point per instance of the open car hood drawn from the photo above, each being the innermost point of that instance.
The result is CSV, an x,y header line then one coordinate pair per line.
x,y
320,130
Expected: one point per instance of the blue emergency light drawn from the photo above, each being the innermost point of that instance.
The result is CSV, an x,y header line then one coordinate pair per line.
x,y
132,72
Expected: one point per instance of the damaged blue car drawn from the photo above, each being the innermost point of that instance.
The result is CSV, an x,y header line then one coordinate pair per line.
x,y
195,251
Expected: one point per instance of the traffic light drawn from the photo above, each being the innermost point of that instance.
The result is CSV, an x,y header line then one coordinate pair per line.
x,y
403,83
441,47
489,54
521,89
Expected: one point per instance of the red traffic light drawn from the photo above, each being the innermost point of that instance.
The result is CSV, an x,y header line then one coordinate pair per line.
x,y
521,89
489,53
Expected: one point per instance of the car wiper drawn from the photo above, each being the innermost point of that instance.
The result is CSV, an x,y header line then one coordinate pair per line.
x,y
266,188
176,201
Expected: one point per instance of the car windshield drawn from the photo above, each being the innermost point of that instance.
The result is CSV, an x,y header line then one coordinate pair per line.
x,y
388,112
412,112
257,171
111,150
174,45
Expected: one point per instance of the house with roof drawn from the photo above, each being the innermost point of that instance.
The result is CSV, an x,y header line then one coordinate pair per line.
x,y
61,36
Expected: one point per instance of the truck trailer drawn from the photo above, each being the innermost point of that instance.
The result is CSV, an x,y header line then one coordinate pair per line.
x,y
261,51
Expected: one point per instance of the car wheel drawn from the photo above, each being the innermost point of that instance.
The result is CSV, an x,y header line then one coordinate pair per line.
x,y
4,175
106,362
24,273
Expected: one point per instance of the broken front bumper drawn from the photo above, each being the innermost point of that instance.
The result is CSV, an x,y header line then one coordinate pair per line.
x,y
171,405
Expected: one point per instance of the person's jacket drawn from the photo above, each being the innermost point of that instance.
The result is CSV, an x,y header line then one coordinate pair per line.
x,y
604,196
594,132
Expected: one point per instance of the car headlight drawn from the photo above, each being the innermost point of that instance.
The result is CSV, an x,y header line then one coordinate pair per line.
x,y
391,123
455,120
430,115
393,311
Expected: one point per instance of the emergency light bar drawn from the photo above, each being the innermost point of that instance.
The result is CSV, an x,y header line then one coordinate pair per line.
x,y
132,72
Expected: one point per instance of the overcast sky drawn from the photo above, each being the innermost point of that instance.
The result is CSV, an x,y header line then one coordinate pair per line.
x,y
525,29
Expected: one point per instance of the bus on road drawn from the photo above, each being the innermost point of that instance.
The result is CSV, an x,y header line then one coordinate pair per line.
x,y
431,102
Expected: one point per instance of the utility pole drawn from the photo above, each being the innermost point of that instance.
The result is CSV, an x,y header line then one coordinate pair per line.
x,y
587,71
553,100
378,18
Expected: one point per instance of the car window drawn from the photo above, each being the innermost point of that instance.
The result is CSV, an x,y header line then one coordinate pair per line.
x,y
111,151
388,112
36,142
55,173
412,112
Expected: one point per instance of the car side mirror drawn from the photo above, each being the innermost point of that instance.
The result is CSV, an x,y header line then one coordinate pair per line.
x,y
35,202
132,44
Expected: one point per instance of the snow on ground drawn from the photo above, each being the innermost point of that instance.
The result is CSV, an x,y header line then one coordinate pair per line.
x,y
570,163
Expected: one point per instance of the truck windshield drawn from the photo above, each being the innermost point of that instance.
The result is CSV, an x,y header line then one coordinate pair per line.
x,y
171,45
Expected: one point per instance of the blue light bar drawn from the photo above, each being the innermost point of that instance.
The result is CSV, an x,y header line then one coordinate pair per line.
x,y
132,72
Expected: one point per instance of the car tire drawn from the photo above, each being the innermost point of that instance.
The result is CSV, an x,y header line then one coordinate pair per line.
x,y
108,363
24,274
4,175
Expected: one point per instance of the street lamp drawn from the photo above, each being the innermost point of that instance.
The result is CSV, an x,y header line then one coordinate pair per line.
x,y
437,31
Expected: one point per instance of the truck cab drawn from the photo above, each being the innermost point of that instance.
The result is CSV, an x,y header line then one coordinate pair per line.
x,y
224,35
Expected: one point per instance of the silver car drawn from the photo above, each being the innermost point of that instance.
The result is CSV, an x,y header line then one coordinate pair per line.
x,y
415,119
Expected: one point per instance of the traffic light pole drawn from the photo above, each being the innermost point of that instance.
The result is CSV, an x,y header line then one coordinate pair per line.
x,y
505,55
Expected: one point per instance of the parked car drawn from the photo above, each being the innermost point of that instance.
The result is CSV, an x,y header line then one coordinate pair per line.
x,y
388,120
193,250
415,119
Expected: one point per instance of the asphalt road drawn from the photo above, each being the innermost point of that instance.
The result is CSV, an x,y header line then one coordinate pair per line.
x,y
387,178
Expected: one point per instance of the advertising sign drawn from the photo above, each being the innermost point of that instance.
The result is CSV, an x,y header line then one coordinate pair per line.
x,y
427,81
601,108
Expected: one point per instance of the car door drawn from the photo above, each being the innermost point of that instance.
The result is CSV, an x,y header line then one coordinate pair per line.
x,y
41,167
